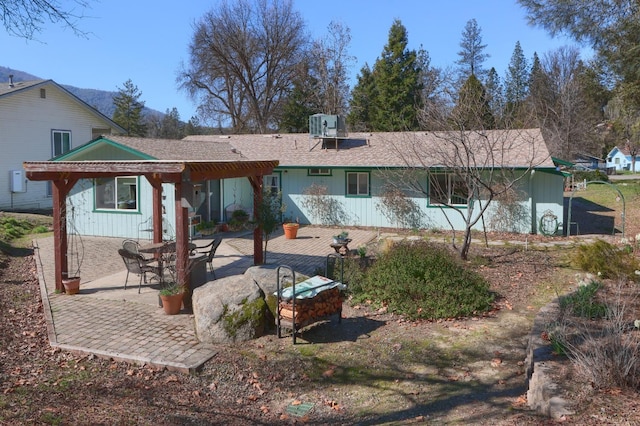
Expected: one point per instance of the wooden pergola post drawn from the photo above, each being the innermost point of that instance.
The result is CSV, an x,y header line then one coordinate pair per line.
x,y
258,252
60,188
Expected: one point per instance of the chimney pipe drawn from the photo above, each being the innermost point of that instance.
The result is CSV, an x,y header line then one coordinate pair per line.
x,y
10,80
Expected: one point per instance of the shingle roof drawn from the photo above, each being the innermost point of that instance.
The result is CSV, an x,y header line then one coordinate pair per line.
x,y
6,87
508,148
180,149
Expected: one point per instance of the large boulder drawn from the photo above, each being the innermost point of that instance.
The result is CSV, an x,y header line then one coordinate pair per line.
x,y
266,278
231,309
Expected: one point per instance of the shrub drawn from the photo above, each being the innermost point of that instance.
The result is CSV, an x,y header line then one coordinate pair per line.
x,y
605,260
421,280
590,176
583,301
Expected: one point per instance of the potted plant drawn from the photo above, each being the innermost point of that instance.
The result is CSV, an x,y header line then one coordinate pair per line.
x,y
207,228
171,296
290,229
341,237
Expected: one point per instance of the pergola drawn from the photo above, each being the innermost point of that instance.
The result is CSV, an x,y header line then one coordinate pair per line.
x,y
65,174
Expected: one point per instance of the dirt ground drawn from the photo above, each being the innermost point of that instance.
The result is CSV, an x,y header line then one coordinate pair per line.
x,y
372,368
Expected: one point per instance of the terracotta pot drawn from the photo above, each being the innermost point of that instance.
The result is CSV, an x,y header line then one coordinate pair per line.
x,y
290,230
71,285
172,304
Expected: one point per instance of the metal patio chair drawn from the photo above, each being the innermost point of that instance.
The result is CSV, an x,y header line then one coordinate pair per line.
x,y
136,264
210,250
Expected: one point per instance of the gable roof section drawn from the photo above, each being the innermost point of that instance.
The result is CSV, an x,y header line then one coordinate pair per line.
x,y
514,148
8,89
123,148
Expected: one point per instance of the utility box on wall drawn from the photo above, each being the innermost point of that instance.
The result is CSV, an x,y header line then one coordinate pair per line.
x,y
17,181
325,125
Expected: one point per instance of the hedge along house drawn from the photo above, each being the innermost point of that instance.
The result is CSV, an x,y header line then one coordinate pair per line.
x,y
354,174
99,189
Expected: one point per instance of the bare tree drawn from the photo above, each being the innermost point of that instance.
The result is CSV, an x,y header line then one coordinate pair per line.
x,y
332,62
243,59
25,18
463,169
559,105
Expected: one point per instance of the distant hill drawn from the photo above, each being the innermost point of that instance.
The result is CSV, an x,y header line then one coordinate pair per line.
x,y
101,100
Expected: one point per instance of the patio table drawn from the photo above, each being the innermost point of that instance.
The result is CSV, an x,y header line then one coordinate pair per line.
x,y
159,250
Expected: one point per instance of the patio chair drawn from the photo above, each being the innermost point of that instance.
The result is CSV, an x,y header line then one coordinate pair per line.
x,y
210,250
136,264
134,247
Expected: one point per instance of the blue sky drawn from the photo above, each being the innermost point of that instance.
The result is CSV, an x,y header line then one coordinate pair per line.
x,y
147,41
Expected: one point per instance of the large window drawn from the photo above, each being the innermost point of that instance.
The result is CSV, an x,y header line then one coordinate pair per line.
x,y
358,184
120,193
447,189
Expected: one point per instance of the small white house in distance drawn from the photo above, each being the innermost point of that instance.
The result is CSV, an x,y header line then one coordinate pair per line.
x,y
39,120
352,173
620,160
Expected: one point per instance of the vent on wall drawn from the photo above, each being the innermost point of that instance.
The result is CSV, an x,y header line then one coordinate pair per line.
x,y
43,93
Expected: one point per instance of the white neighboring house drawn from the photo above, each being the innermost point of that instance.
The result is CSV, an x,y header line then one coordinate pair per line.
x,y
40,119
620,159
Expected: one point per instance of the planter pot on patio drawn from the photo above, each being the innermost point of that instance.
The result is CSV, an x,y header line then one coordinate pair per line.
x,y
171,304
71,285
290,230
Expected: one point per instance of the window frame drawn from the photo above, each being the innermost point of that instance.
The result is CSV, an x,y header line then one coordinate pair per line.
x,y
99,207
265,184
54,152
359,174
321,171
450,191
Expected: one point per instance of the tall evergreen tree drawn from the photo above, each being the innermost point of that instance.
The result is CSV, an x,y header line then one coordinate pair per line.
x,y
172,127
363,97
472,111
516,83
399,87
128,112
471,52
495,94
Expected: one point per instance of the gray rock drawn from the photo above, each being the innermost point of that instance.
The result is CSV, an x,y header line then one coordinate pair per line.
x,y
231,309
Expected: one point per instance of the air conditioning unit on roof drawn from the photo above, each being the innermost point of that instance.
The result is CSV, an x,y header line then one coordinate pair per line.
x,y
327,126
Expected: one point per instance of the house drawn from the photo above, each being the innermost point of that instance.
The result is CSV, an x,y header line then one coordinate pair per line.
x,y
39,120
352,172
619,159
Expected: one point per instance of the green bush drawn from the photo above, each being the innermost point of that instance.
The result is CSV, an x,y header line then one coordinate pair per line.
x,y
590,176
606,260
422,280
583,302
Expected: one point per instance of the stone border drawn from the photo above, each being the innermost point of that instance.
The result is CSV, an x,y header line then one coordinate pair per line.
x,y
543,395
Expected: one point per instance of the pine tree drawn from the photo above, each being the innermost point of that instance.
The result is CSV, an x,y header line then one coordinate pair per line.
x,y
516,83
472,111
495,94
471,53
128,113
363,97
398,83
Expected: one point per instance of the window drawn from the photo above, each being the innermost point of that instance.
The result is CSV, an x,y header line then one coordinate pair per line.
x,y
358,183
120,193
60,142
319,172
271,184
447,189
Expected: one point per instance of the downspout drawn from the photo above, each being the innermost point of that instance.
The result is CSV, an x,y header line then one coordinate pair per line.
x,y
534,229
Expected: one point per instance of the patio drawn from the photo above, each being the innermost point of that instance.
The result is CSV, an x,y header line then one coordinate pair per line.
x,y
108,321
